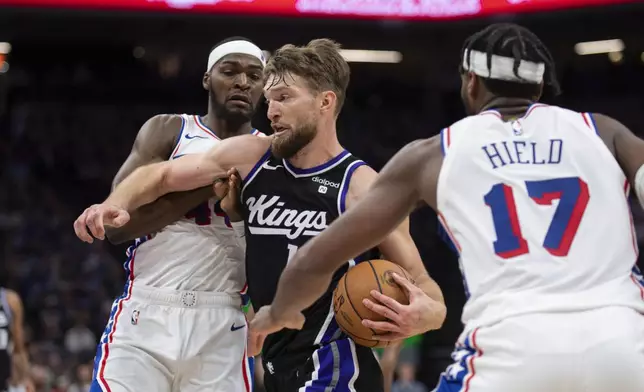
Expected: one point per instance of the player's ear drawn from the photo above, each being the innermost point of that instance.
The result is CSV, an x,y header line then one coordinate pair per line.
x,y
205,83
473,84
328,101
538,97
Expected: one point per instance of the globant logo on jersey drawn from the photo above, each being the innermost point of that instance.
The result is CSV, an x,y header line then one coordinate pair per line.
x,y
266,217
326,182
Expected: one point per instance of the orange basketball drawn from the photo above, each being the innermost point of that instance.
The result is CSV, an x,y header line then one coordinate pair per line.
x,y
356,285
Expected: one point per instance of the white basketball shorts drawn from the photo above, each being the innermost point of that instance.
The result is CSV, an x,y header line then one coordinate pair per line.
x,y
600,350
170,341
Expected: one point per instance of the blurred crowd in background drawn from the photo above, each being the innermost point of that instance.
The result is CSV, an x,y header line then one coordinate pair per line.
x,y
68,122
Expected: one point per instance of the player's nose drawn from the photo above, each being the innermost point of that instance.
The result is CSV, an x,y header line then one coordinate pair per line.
x,y
273,112
241,81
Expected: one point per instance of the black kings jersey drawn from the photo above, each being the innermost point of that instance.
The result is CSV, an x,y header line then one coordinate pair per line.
x,y
285,207
5,340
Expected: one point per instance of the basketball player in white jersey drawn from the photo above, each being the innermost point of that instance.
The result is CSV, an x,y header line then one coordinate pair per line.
x,y
178,325
535,199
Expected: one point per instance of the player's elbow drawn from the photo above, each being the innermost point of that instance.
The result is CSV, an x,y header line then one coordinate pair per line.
x,y
441,316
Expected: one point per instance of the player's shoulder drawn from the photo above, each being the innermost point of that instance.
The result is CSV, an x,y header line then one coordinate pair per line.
x,y
165,121
610,130
162,126
13,298
420,149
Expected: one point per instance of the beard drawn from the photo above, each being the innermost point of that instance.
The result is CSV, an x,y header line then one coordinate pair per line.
x,y
292,141
230,112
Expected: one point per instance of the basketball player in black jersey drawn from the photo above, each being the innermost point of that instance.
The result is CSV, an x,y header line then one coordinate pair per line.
x,y
14,361
295,184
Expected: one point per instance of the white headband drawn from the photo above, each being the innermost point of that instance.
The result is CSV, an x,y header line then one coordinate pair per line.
x,y
230,47
503,68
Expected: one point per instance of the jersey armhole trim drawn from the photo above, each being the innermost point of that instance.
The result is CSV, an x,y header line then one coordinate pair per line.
x,y
443,222
346,183
445,136
590,122
253,172
177,143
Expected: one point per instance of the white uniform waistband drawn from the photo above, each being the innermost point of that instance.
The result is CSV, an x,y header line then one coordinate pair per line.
x,y
185,299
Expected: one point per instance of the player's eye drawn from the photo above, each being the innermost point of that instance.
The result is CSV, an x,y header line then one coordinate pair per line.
x,y
255,76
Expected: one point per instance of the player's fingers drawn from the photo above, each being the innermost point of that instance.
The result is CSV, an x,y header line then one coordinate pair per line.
x,y
95,224
404,283
221,188
382,326
121,218
259,343
381,310
91,221
389,302
255,343
235,180
80,227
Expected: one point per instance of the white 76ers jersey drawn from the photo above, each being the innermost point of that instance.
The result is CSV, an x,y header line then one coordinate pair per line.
x,y
538,209
198,252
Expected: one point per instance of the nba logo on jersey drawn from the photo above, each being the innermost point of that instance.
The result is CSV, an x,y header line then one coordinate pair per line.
x,y
516,128
135,317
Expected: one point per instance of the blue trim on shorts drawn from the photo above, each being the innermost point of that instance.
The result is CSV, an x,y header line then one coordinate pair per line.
x,y
453,378
338,366
102,350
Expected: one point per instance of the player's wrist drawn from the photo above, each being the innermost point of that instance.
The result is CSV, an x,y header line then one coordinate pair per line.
x,y
116,202
276,313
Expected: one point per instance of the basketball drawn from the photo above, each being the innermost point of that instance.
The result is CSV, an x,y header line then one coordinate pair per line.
x,y
356,285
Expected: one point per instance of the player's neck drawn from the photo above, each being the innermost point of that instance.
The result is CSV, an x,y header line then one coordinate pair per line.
x,y
324,147
507,106
225,128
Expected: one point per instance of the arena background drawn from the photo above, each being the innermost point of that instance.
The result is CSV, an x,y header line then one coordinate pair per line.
x,y
79,77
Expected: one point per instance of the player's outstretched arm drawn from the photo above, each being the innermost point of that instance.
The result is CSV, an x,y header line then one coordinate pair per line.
x,y
154,143
627,148
365,225
148,183
422,313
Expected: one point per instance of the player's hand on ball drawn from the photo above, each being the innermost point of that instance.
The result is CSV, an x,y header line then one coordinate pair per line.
x,y
91,223
266,322
421,315
229,192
